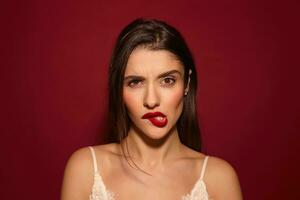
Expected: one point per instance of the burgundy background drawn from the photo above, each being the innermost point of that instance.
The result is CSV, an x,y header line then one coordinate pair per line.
x,y
54,97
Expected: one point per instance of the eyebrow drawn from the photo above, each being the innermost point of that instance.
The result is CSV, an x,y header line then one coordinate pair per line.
x,y
159,76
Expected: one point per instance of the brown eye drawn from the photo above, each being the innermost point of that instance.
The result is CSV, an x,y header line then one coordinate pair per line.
x,y
134,83
168,81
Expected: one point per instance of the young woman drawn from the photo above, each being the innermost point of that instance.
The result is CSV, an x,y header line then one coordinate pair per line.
x,y
155,153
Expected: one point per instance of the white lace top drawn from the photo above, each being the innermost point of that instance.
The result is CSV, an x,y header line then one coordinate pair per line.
x,y
99,191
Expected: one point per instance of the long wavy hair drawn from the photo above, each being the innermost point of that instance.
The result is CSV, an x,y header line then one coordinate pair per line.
x,y
153,35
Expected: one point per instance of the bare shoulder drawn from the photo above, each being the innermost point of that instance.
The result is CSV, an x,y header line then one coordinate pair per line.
x,y
219,167
222,180
78,175
79,171
82,160
108,149
107,157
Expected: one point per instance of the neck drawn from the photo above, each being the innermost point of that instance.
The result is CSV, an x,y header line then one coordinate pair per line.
x,y
152,153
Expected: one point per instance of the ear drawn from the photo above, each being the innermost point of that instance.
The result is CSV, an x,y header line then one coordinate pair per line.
x,y
186,90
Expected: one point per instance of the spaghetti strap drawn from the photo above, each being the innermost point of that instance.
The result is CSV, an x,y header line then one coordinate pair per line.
x,y
94,159
203,167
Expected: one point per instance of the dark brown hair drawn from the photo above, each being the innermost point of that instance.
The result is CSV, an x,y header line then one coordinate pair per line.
x,y
153,35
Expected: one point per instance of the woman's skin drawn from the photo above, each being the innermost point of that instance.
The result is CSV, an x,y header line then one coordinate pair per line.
x,y
153,81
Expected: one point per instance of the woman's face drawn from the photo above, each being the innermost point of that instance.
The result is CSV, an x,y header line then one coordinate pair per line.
x,y
153,91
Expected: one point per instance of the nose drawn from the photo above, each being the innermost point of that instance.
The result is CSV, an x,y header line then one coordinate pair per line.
x,y
151,98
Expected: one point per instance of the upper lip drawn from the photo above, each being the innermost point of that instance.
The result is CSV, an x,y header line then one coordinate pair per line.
x,y
153,114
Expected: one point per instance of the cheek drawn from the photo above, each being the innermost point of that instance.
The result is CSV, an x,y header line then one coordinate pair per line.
x,y
175,99
130,101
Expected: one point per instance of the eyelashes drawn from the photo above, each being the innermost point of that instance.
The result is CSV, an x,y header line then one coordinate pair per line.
x,y
135,83
168,81
165,82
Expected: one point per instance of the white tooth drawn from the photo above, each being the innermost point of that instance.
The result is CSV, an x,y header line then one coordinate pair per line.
x,y
159,118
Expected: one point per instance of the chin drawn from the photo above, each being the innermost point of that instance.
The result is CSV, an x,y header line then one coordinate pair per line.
x,y
156,133
156,136
151,132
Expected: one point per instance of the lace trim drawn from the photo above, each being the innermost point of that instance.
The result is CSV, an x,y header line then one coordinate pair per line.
x,y
99,191
198,192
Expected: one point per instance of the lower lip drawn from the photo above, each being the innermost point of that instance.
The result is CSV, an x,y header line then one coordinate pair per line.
x,y
158,123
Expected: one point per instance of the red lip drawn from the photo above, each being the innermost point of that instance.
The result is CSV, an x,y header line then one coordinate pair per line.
x,y
154,114
152,117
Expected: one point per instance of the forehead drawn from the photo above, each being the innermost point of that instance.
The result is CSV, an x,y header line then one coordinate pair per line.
x,y
145,61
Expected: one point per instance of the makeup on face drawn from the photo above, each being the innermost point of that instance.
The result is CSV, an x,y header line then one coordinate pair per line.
x,y
153,90
167,79
156,118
